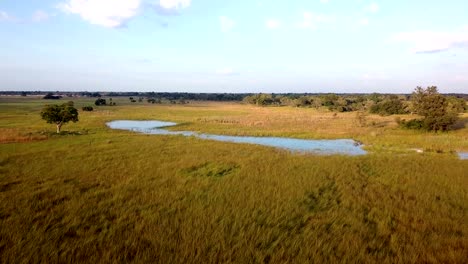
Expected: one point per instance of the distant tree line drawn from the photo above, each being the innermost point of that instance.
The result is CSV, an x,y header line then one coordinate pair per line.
x,y
438,112
374,103
384,104
50,96
185,96
222,97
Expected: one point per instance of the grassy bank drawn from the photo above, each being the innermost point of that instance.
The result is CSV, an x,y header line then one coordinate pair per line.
x,y
98,195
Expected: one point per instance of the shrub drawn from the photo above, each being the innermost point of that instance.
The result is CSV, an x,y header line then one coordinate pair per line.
x,y
100,101
457,105
434,109
50,96
154,101
411,124
389,107
87,108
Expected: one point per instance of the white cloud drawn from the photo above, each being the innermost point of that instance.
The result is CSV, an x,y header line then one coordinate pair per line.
x,y
107,13
37,16
170,7
364,22
4,16
40,16
310,20
226,71
174,4
433,41
373,8
226,23
272,23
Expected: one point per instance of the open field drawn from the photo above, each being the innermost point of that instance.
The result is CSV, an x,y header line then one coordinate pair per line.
x,y
97,195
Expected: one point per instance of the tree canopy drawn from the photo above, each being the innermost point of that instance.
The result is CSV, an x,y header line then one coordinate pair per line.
x,y
59,114
434,109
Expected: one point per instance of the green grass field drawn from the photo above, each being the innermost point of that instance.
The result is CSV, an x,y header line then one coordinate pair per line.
x,y
97,195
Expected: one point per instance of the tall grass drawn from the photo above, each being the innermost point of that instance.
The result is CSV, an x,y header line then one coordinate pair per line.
x,y
116,196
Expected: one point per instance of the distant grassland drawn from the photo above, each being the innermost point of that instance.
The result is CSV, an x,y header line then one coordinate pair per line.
x,y
379,133
98,195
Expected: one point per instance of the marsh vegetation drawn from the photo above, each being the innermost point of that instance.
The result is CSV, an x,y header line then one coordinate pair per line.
x,y
100,195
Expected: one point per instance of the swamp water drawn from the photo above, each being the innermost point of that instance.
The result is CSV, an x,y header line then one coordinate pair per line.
x,y
463,155
324,147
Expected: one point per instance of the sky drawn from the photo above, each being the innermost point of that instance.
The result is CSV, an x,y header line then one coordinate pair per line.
x,y
233,46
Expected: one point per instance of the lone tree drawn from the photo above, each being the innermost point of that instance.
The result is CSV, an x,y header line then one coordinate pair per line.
x,y
59,114
434,109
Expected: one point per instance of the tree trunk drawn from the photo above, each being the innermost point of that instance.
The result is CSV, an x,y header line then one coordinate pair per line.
x,y
59,125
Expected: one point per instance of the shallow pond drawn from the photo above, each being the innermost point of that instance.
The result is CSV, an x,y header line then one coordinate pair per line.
x,y
463,155
326,147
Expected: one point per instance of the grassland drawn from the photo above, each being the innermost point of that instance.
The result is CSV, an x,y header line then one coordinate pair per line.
x,y
97,195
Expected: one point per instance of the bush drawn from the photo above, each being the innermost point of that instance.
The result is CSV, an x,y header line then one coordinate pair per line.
x,y
87,108
262,100
100,102
50,96
434,108
388,107
154,101
457,105
411,124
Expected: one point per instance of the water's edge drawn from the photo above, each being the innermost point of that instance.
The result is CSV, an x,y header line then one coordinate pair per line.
x,y
463,155
322,146
316,146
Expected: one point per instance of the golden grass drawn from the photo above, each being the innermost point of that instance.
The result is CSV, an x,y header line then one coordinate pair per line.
x,y
10,135
379,134
116,196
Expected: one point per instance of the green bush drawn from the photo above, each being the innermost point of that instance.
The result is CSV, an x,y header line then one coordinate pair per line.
x,y
389,107
100,102
411,124
87,108
434,108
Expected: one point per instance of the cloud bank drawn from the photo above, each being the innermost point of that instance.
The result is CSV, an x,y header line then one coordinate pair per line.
x,y
433,41
116,13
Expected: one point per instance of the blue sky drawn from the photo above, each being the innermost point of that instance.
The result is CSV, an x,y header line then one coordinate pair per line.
x,y
234,45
